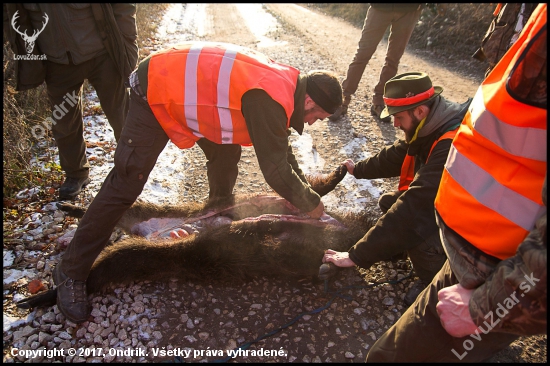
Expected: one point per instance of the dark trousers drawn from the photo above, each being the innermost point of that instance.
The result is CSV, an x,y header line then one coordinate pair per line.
x,y
64,85
418,335
428,257
141,142
221,166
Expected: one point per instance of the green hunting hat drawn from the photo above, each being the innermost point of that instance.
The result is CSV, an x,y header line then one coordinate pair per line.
x,y
406,91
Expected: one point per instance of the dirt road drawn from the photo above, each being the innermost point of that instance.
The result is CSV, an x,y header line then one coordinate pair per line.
x,y
197,318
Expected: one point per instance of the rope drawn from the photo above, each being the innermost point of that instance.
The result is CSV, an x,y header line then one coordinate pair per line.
x,y
336,294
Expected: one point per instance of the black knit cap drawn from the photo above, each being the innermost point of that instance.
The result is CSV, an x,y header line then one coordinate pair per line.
x,y
328,101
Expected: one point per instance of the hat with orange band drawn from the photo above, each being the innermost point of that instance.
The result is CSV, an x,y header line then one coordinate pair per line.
x,y
406,91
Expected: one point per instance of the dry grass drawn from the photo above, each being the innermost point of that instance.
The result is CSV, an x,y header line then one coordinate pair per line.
x,y
353,12
453,30
26,110
147,19
22,110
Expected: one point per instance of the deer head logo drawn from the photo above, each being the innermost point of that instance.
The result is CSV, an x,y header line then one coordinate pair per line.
x,y
29,40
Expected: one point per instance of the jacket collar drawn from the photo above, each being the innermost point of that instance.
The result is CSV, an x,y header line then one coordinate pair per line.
x,y
297,118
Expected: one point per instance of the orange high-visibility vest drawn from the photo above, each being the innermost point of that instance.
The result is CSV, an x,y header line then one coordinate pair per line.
x,y
195,90
490,191
407,169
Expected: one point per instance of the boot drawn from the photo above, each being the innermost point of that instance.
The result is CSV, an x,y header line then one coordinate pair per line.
x,y
341,111
376,110
72,187
72,298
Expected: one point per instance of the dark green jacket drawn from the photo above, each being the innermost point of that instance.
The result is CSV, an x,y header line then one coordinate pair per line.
x,y
411,220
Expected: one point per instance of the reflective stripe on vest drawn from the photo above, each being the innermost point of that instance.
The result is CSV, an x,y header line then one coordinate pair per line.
x,y
497,163
195,90
407,169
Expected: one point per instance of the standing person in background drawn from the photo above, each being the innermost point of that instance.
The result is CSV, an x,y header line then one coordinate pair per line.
x,y
94,42
491,208
401,18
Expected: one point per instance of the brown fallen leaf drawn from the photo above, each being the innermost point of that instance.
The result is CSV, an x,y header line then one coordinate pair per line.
x,y
35,286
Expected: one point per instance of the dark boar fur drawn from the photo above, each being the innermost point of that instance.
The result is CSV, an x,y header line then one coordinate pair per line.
x,y
238,239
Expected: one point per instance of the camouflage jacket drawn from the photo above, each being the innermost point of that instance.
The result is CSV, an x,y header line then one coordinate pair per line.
x,y
510,295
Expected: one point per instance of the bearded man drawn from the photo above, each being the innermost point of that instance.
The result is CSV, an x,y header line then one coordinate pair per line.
x,y
408,223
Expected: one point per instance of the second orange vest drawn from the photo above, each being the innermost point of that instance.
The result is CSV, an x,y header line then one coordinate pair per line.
x,y
407,169
195,90
497,163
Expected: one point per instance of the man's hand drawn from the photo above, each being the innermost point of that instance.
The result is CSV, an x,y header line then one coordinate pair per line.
x,y
454,312
350,165
317,211
340,259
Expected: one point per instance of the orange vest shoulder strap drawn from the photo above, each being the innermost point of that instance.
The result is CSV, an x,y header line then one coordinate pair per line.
x,y
407,169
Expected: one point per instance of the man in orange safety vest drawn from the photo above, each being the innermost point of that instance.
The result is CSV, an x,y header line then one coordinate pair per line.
x,y
491,210
221,97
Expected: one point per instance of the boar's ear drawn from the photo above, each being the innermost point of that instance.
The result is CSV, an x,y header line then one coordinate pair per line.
x,y
72,210
325,183
42,299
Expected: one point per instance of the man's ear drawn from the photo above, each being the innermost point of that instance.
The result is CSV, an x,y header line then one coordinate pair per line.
x,y
423,112
309,103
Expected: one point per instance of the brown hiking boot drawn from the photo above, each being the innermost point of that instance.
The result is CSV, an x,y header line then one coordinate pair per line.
x,y
72,298
340,112
376,110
